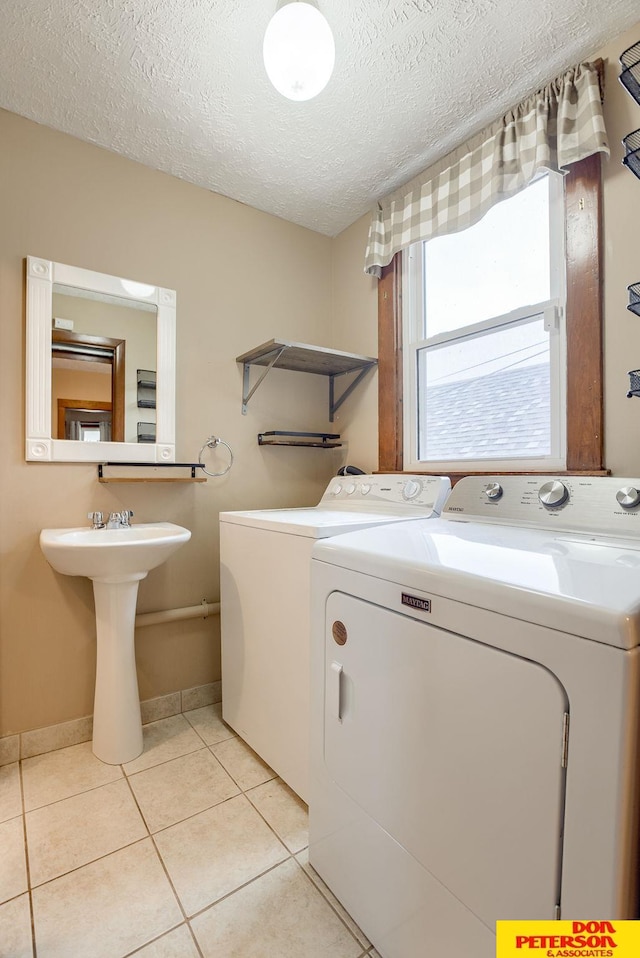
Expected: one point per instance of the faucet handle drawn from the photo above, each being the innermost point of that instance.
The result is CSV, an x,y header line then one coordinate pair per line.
x,y
125,515
97,519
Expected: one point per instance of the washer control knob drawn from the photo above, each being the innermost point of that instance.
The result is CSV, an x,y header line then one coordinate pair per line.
x,y
412,488
336,490
493,491
351,488
553,493
365,488
628,497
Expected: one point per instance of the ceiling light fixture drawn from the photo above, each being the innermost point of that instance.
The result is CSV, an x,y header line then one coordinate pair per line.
x,y
298,50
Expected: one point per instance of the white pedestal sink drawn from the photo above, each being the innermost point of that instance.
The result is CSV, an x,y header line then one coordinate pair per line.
x,y
116,560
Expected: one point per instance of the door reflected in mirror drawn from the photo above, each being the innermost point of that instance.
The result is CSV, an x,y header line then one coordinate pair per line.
x,y
98,344
84,420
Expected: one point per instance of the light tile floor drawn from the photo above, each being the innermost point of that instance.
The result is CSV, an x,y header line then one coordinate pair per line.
x,y
193,850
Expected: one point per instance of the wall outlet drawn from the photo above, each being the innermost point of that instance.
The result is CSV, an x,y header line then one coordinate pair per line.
x,y
62,323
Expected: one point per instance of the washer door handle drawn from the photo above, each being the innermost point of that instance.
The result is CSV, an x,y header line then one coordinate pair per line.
x,y
335,692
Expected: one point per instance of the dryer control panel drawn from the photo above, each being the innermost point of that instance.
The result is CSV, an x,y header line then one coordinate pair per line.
x,y
581,504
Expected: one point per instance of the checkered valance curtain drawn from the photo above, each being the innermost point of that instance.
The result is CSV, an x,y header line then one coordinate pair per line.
x,y
559,125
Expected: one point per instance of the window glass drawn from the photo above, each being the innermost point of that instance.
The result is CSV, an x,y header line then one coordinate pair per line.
x,y
491,268
486,396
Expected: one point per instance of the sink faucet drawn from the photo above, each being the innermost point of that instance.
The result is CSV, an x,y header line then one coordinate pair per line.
x,y
119,520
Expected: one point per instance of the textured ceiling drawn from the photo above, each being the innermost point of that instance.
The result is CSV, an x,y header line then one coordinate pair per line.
x,y
179,85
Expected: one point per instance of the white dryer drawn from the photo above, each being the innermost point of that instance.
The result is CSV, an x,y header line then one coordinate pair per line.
x,y
475,699
265,567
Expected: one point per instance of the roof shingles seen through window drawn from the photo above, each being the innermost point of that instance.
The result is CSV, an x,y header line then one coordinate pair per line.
x,y
496,416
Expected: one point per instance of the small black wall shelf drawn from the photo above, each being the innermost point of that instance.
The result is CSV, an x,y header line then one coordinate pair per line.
x,y
146,382
630,76
634,383
146,432
165,477
319,440
634,298
631,159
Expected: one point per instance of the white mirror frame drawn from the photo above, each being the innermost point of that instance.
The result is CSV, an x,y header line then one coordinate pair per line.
x,y
40,446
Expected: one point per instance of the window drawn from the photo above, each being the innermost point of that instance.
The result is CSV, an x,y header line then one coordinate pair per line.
x,y
581,420
483,326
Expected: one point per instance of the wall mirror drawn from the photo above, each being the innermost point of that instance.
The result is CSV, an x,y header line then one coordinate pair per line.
x,y
100,378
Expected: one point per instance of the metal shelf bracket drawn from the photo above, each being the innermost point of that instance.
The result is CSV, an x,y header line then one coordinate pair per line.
x,y
334,404
246,378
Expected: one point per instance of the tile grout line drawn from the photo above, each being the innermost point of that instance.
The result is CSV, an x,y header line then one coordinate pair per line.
x,y
298,852
242,792
163,866
231,776
245,884
152,941
192,728
166,761
194,939
332,906
32,917
165,869
291,855
93,861
84,791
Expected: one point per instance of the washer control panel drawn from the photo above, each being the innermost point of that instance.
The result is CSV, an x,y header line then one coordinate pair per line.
x,y
403,491
578,503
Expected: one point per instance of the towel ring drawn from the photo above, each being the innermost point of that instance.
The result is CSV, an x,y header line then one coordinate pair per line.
x,y
211,443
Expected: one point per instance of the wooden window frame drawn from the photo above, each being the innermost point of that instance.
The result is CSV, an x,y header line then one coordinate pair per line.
x,y
585,405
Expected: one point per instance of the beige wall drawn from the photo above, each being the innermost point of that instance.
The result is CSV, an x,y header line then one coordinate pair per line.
x,y
355,305
355,329
242,277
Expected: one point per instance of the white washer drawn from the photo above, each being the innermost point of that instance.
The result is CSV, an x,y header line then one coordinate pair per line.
x,y
265,563
474,751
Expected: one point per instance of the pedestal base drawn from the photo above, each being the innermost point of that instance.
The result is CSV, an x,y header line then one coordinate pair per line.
x,y
117,725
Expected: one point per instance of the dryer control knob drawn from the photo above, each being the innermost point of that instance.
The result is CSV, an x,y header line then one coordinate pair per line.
x,y
628,497
336,490
412,488
493,491
553,493
351,488
365,488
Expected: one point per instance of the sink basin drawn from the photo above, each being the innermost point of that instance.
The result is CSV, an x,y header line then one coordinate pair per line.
x,y
100,553
116,560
